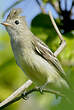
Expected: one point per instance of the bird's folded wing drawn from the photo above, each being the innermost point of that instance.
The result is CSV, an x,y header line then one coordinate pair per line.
x,y
43,50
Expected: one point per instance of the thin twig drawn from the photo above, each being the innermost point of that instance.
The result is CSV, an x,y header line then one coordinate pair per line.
x,y
63,43
25,94
55,26
16,93
55,6
41,7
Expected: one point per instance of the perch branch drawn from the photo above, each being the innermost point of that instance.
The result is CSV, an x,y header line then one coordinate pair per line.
x,y
25,94
63,43
16,93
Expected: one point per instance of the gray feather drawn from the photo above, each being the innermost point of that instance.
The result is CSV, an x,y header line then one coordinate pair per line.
x,y
14,13
43,50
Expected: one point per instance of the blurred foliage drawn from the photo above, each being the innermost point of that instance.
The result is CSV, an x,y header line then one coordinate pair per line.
x,y
12,77
46,1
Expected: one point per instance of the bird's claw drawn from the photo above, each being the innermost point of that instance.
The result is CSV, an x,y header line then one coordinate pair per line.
x,y
24,96
41,90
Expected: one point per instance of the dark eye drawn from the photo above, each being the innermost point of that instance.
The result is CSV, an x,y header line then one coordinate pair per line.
x,y
16,22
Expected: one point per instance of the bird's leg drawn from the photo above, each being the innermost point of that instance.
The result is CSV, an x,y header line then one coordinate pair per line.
x,y
42,89
43,86
63,43
24,95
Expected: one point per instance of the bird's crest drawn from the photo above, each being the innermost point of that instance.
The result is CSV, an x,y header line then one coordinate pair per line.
x,y
14,13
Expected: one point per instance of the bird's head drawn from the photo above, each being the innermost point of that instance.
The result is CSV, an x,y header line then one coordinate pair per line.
x,y
14,23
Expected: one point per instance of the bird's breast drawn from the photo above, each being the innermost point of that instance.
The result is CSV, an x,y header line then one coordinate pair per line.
x,y
35,67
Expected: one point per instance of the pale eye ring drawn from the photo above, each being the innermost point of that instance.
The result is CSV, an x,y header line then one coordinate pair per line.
x,y
16,22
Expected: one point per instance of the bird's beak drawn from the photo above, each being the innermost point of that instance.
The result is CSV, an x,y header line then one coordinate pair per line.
x,y
6,24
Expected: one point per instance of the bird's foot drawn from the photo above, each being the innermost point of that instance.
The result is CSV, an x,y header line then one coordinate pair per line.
x,y
24,96
40,90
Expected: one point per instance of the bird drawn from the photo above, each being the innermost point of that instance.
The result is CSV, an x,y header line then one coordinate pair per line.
x,y
33,56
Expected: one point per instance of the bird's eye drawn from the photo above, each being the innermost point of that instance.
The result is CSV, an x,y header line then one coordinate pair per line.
x,y
16,22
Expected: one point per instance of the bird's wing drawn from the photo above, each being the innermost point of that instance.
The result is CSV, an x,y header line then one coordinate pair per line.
x,y
43,50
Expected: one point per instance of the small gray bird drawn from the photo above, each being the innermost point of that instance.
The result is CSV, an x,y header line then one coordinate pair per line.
x,y
33,56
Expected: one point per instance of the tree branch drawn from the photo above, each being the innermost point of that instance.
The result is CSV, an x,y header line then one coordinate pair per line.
x,y
63,43
55,5
41,7
16,93
25,94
